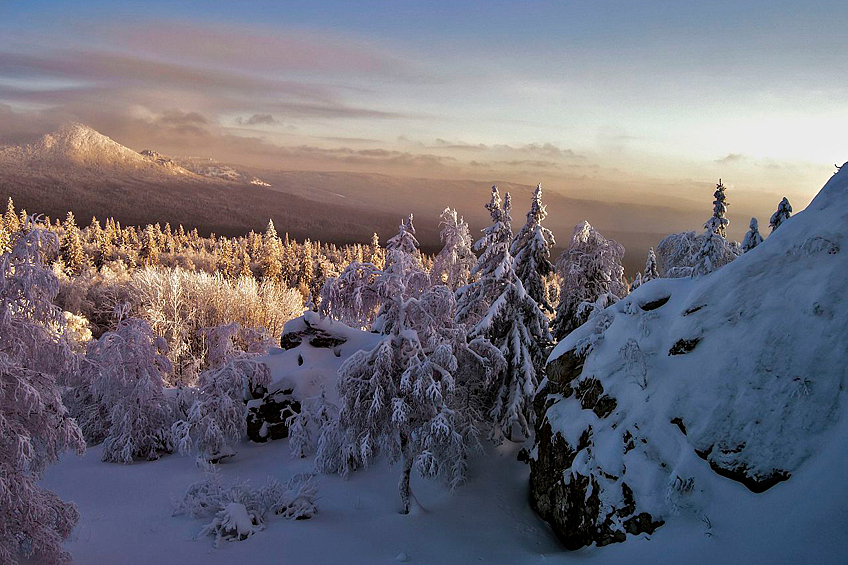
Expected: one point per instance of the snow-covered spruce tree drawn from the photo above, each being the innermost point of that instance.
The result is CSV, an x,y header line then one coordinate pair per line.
x,y
752,237
718,221
408,399
784,210
497,307
149,252
404,276
453,264
376,254
651,271
592,277
120,397
35,427
71,249
531,249
272,254
474,299
636,282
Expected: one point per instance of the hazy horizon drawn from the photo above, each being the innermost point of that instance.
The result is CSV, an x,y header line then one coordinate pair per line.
x,y
613,102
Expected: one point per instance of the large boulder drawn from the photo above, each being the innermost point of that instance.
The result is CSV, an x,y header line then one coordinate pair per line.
x,y
737,375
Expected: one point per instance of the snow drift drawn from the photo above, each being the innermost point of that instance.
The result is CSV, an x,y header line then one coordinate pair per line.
x,y
686,383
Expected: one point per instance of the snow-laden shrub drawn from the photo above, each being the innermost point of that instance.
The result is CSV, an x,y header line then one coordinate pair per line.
x,y
34,425
240,511
119,398
217,417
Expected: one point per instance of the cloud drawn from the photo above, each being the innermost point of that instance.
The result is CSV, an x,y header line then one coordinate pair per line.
x,y
257,119
731,158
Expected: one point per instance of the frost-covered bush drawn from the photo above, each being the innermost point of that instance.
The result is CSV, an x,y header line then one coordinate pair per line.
x,y
34,425
591,270
240,511
217,417
119,397
178,304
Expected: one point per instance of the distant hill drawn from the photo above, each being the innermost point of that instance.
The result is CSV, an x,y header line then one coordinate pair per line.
x,y
76,168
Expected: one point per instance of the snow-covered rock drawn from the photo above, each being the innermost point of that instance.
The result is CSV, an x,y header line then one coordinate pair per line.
x,y
737,375
303,371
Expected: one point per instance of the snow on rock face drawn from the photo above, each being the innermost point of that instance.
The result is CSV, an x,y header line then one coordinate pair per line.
x,y
736,374
303,370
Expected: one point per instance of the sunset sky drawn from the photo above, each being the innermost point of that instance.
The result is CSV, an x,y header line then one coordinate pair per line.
x,y
613,100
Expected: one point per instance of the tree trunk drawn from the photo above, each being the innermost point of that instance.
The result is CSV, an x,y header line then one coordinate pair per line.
x,y
403,484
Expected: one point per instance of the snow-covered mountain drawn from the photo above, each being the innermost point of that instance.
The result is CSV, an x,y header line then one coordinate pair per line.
x,y
712,405
76,149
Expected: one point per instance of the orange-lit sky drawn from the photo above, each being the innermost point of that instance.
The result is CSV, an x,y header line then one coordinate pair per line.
x,y
611,100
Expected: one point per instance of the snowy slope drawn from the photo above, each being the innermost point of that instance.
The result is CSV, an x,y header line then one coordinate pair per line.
x,y
656,405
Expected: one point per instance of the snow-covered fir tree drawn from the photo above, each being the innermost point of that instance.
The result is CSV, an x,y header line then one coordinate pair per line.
x,y
35,427
497,307
409,399
718,222
404,276
149,252
272,254
784,210
636,282
592,277
474,299
711,247
453,264
71,248
531,249
752,237
651,271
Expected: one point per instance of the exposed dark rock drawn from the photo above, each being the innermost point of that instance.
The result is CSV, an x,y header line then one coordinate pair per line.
x,y
693,309
566,367
591,394
315,336
679,423
739,472
570,501
266,417
683,346
654,304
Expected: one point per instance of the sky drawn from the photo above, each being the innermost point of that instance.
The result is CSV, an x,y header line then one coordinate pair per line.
x,y
625,101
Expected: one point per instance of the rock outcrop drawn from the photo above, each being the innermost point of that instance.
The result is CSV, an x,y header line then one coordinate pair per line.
x,y
737,375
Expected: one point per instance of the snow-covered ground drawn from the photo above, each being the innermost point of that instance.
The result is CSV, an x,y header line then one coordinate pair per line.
x,y
126,517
